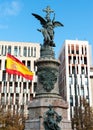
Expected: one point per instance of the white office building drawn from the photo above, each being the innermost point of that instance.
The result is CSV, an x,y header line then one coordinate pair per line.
x,y
74,77
16,91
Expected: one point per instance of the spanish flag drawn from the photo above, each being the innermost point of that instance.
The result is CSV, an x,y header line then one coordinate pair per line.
x,y
16,67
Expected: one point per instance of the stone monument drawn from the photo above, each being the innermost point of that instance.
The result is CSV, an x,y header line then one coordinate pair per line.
x,y
47,111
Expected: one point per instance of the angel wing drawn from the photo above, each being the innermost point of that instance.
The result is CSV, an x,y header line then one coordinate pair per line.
x,y
56,24
42,20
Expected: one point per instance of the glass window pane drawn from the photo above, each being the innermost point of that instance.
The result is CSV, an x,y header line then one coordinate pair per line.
x,y
31,51
9,49
15,50
34,51
25,51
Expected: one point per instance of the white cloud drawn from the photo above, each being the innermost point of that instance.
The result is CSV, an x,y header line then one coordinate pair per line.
x,y
9,8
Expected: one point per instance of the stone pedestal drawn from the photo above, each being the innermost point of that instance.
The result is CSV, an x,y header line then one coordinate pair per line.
x,y
47,93
39,106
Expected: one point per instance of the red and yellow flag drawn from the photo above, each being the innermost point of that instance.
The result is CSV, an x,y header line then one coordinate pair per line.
x,y
14,66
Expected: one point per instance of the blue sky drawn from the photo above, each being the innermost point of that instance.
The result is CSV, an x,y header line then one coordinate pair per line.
x,y
17,23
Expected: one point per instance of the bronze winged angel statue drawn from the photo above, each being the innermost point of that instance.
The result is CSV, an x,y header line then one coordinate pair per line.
x,y
48,26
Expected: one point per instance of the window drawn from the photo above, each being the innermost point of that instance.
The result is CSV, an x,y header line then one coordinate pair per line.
x,y
29,87
16,87
15,50
72,51
78,60
80,81
77,49
86,81
77,70
73,70
70,90
85,51
4,89
34,51
5,83
82,50
17,99
23,62
28,65
78,91
85,60
82,91
71,100
82,70
68,49
11,89
9,49
26,99
14,77
2,99
25,51
31,51
81,60
69,70
5,50
24,87
5,64
19,51
4,76
70,59
10,84
22,109
74,60
70,80
23,100
86,70
11,99
2,50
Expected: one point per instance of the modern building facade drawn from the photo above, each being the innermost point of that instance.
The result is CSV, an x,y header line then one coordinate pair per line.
x,y
74,73
16,91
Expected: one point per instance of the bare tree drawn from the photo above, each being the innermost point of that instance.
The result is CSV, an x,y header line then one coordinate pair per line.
x,y
11,121
83,117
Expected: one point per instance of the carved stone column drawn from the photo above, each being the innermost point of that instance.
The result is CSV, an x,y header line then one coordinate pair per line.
x,y
47,93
